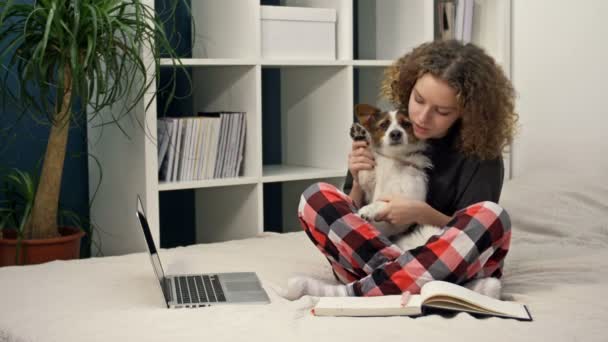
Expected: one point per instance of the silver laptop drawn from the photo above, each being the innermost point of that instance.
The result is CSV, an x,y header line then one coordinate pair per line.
x,y
196,290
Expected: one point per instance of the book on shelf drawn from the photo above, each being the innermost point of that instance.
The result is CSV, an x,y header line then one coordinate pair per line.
x,y
235,136
241,148
229,148
174,139
203,149
463,25
199,144
454,20
163,137
217,170
215,139
435,296
447,14
229,145
185,149
211,136
177,161
167,128
209,145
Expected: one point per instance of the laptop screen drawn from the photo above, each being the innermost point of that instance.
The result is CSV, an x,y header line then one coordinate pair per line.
x,y
156,265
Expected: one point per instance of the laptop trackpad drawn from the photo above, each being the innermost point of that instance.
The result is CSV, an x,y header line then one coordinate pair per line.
x,y
239,286
247,296
238,276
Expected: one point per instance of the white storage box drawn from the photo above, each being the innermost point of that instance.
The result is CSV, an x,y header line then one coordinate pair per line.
x,y
298,33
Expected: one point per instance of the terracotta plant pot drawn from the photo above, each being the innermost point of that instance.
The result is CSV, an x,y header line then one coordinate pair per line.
x,y
65,247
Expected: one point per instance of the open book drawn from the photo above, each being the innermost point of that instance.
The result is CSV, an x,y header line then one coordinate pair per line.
x,y
434,296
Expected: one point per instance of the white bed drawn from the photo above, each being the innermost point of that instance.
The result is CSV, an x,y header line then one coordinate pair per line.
x,y
558,265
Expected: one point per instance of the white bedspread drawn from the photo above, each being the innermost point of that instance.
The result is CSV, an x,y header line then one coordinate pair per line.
x,y
558,265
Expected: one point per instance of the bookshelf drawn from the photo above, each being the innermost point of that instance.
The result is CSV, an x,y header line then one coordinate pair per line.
x,y
314,103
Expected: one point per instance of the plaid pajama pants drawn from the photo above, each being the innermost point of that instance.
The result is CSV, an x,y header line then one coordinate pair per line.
x,y
472,245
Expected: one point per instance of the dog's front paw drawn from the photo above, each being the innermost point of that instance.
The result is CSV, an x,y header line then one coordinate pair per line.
x,y
359,133
369,212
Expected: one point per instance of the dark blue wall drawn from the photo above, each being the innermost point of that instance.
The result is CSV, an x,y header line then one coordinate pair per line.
x,y
22,145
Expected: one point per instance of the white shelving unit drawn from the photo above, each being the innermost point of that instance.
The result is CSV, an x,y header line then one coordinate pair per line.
x,y
317,99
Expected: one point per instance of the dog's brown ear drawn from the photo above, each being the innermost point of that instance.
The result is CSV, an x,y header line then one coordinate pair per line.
x,y
403,117
366,113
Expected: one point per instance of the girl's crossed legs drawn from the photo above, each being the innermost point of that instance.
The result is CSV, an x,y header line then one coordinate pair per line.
x,y
473,245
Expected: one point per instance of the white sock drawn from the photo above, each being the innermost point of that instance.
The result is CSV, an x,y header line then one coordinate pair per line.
x,y
300,286
490,286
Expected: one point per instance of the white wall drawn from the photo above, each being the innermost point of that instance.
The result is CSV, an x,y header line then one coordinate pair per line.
x,y
560,70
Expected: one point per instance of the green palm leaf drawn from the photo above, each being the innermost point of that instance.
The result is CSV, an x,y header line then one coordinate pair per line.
x,y
94,53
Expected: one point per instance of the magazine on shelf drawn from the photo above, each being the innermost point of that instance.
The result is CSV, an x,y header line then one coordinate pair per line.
x,y
209,145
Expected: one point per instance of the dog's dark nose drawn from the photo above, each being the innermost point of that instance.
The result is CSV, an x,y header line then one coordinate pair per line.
x,y
395,135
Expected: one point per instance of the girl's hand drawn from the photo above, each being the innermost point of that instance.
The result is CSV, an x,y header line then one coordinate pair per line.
x,y
360,158
400,210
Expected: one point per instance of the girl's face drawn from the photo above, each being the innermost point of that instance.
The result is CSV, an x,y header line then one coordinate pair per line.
x,y
432,107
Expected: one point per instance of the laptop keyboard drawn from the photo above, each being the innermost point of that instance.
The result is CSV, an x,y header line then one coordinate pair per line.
x,y
198,289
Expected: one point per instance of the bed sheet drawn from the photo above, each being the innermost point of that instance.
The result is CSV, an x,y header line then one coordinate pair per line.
x,y
557,265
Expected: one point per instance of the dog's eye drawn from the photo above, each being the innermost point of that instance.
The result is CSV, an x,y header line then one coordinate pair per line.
x,y
384,125
405,124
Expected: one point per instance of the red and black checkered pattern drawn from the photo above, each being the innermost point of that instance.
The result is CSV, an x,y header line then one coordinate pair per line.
x,y
473,245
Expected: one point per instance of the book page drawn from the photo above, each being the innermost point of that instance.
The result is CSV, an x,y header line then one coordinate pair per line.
x,y
367,306
441,294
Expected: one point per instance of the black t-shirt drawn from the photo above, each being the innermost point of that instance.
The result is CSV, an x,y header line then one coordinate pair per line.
x,y
457,181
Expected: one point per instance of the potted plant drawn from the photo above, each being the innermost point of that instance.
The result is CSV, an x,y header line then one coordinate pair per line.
x,y
62,59
18,188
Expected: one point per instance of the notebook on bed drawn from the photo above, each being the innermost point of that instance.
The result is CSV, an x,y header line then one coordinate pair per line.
x,y
198,290
435,296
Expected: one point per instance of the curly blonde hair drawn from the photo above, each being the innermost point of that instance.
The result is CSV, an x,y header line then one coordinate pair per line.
x,y
484,94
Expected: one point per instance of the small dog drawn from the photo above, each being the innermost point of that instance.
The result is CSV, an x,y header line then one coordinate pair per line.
x,y
400,170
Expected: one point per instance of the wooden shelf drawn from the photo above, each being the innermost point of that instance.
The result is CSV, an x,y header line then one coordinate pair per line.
x,y
210,61
165,62
285,173
372,63
206,183
309,62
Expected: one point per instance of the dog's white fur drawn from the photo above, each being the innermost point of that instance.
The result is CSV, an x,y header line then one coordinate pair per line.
x,y
399,171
